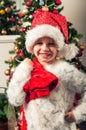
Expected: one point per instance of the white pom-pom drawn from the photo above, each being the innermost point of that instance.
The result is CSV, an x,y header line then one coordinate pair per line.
x,y
69,51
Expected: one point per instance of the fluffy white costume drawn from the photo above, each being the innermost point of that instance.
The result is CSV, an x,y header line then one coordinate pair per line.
x,y
47,113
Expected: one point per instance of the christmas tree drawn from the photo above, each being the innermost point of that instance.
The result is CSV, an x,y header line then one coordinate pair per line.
x,y
25,18
8,18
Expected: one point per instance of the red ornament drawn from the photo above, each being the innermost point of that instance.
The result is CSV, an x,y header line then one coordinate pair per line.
x,y
80,53
12,19
22,29
55,11
28,2
21,15
21,54
58,2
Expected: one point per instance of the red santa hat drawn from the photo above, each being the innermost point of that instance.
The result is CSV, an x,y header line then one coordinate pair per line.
x,y
54,26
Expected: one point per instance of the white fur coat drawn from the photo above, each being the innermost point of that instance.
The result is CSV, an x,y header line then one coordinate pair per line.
x,y
47,113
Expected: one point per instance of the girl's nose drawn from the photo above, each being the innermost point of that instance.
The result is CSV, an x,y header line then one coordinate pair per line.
x,y
45,47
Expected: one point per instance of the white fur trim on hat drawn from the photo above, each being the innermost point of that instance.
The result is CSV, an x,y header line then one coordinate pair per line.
x,y
41,31
69,51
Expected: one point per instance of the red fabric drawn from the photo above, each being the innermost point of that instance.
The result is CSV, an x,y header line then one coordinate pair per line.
x,y
23,124
56,20
41,83
76,99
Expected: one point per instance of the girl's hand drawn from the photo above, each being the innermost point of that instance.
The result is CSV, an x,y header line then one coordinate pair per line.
x,y
69,117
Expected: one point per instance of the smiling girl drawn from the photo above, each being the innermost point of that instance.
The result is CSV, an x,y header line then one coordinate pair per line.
x,y
46,86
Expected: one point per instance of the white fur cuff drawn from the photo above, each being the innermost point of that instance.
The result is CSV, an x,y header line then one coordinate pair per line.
x,y
22,71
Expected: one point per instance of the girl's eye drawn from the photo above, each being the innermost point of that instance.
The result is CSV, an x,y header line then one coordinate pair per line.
x,y
39,43
51,44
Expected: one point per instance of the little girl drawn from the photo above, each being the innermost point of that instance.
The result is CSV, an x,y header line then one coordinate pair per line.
x,y
46,86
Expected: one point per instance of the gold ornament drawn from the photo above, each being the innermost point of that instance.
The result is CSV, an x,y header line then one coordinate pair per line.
x,y
82,47
7,72
4,32
13,28
19,22
25,11
10,60
2,12
16,49
2,3
45,8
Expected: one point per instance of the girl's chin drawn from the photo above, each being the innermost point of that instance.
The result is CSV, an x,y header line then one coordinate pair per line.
x,y
46,61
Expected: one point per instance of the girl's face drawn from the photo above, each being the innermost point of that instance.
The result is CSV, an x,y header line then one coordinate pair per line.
x,y
45,50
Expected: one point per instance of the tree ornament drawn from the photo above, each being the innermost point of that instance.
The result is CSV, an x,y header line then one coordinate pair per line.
x,y
25,11
28,3
12,19
8,9
2,3
58,2
10,60
21,54
13,28
55,11
80,53
21,15
3,32
45,8
7,72
82,47
2,11
19,22
22,29
16,49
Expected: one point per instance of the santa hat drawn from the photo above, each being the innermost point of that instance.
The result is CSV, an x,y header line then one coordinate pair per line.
x,y
54,26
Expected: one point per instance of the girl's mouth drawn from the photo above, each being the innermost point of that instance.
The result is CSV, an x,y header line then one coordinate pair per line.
x,y
46,54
